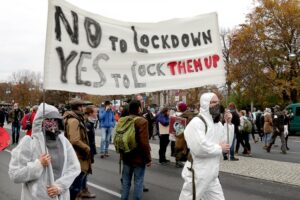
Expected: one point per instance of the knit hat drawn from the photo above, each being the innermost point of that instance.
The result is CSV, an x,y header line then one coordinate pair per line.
x,y
181,106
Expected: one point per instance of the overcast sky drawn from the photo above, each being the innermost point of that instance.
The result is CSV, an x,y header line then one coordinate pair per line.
x,y
23,23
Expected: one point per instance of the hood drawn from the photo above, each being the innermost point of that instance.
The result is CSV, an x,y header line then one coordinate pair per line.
x,y
37,132
204,104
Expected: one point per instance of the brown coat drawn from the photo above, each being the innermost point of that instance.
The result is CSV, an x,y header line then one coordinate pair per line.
x,y
268,123
141,155
76,133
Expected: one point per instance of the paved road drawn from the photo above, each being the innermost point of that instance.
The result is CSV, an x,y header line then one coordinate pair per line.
x,y
164,182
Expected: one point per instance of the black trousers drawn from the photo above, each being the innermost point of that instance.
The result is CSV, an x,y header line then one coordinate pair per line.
x,y
163,143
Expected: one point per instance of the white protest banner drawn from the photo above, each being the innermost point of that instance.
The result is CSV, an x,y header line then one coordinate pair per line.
x,y
96,55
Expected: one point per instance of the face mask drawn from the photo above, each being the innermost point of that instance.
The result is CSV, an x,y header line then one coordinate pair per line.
x,y
215,111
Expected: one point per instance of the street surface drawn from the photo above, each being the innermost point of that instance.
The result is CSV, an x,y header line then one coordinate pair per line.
x,y
165,182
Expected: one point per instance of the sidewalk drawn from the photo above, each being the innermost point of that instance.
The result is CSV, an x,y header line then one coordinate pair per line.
x,y
276,171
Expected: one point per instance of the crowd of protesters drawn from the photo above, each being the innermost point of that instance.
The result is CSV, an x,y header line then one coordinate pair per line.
x,y
78,123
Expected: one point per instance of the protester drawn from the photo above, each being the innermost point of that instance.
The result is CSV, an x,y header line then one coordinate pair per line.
x,y
278,129
107,123
163,126
44,175
77,135
268,127
245,133
28,118
206,139
91,119
15,117
2,117
237,136
135,162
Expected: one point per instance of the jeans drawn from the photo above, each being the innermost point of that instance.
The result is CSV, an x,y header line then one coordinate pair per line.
x,y
231,151
105,139
127,173
247,144
15,127
267,138
77,185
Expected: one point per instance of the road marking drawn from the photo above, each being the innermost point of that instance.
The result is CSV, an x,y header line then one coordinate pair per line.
x,y
104,189
94,185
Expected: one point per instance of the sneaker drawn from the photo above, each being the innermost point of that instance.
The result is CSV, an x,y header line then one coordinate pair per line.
x,y
87,194
145,189
102,156
225,158
106,155
234,159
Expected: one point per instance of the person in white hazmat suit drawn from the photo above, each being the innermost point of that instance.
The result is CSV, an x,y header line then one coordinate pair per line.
x,y
206,144
44,175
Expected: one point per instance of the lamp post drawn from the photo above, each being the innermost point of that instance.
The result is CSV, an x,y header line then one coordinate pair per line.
x,y
8,92
30,95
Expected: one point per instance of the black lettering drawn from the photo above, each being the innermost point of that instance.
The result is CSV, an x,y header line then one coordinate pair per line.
x,y
185,40
123,46
158,69
136,83
175,41
93,37
145,40
164,41
196,41
126,81
206,37
154,37
96,67
113,40
72,33
80,68
148,70
116,76
137,48
142,70
64,63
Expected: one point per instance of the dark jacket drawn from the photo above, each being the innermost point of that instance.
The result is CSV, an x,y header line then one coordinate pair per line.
x,y
235,121
15,116
2,117
141,155
75,132
163,119
90,127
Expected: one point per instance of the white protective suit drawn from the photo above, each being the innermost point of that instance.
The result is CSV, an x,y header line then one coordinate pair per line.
x,y
206,153
25,167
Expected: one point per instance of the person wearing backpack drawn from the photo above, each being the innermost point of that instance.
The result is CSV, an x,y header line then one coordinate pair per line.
x,y
245,129
278,129
28,120
206,138
136,160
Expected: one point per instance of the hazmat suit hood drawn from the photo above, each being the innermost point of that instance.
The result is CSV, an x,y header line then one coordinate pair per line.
x,y
204,105
51,112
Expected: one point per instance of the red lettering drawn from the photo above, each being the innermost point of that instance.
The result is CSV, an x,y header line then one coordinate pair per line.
x,y
172,65
197,64
208,62
181,66
215,58
189,66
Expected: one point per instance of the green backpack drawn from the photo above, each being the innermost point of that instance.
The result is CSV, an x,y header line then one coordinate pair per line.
x,y
124,139
247,125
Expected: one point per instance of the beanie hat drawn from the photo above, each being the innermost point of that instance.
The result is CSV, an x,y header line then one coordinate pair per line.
x,y
181,106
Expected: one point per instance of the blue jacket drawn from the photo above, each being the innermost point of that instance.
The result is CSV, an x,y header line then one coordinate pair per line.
x,y
163,119
107,118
